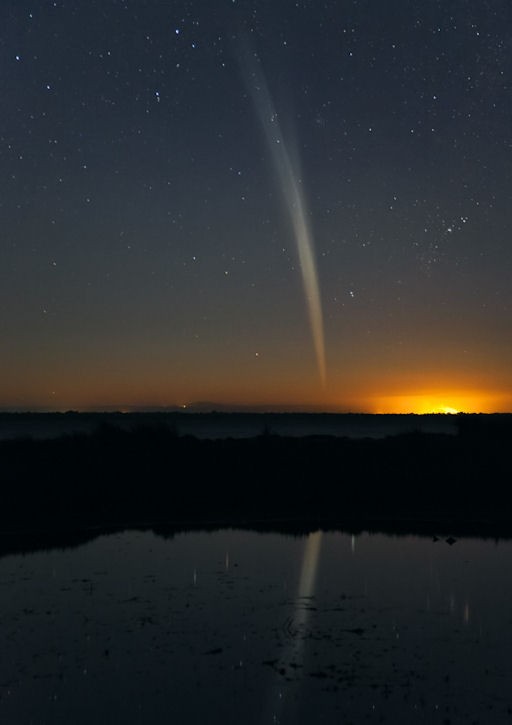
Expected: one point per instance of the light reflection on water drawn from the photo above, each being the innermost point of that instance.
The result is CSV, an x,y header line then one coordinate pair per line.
x,y
237,627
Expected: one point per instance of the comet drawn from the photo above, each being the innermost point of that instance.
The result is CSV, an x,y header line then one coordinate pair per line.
x,y
286,167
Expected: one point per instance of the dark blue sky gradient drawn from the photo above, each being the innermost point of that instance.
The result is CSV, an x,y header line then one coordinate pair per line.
x,y
146,254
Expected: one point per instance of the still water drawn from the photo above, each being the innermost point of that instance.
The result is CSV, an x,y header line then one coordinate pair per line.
x,y
240,627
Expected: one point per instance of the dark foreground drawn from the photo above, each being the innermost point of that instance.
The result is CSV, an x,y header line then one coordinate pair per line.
x,y
237,627
416,482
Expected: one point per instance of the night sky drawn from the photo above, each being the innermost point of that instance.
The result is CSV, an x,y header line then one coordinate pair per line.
x,y
158,158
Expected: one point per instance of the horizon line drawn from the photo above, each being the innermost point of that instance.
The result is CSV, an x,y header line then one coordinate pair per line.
x,y
201,409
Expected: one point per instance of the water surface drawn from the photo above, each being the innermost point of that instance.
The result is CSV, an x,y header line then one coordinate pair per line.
x,y
227,425
236,626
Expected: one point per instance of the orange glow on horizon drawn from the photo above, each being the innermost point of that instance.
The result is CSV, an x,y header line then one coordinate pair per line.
x,y
277,387
447,402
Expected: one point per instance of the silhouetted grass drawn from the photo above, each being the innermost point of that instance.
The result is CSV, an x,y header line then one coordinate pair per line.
x,y
152,474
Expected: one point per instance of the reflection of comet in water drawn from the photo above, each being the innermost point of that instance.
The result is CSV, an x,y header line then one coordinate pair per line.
x,y
306,584
297,625
286,168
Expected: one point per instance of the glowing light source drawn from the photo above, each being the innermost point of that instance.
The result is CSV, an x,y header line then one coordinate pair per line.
x,y
449,402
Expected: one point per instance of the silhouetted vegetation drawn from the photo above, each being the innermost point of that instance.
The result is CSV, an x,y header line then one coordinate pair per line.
x,y
151,475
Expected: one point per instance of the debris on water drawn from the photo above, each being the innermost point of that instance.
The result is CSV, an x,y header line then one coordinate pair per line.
x,y
270,663
450,540
215,651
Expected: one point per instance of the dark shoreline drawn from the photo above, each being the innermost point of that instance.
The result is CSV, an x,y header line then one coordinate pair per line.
x,y
221,424
150,477
26,541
